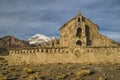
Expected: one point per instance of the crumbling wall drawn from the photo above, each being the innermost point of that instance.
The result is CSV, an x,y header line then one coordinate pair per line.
x,y
102,41
40,50
96,50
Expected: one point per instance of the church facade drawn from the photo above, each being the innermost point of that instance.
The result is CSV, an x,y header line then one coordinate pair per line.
x,y
80,31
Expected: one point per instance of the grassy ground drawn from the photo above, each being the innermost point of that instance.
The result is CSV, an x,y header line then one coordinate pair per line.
x,y
58,71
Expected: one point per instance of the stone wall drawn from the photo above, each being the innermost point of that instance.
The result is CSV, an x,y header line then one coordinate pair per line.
x,y
101,40
76,51
40,50
96,50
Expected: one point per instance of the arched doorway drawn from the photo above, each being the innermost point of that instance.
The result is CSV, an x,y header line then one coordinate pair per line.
x,y
79,30
78,52
79,43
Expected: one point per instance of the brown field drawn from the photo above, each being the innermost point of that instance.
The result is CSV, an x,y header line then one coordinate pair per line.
x,y
60,67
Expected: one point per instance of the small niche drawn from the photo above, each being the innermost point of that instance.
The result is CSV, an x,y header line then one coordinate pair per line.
x,y
79,31
79,43
78,19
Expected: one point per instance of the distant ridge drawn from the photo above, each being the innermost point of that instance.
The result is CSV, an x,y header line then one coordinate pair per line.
x,y
12,42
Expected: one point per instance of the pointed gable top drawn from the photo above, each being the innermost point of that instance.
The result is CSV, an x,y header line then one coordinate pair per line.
x,y
78,15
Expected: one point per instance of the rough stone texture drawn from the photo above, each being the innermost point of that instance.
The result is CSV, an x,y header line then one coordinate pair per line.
x,y
82,31
40,50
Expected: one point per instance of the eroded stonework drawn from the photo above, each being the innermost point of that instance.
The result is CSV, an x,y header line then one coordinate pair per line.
x,y
80,31
79,35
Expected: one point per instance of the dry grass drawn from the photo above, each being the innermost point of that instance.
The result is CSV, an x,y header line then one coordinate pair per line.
x,y
82,73
2,77
61,76
101,78
58,71
34,77
40,58
28,70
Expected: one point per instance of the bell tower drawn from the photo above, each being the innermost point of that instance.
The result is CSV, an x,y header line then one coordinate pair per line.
x,y
81,37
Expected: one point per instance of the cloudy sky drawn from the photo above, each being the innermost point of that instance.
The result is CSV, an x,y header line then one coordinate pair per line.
x,y
24,18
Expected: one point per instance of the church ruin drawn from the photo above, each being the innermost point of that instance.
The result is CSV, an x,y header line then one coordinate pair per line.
x,y
80,31
79,35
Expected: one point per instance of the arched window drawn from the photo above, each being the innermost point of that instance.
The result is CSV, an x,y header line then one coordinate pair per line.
x,y
79,43
52,44
79,19
79,30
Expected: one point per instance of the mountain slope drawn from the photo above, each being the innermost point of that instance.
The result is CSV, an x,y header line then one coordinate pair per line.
x,y
12,42
39,40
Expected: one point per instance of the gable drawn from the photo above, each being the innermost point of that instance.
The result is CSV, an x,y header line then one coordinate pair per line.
x,y
67,23
86,21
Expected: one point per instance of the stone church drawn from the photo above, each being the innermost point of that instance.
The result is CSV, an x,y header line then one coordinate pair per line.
x,y
81,31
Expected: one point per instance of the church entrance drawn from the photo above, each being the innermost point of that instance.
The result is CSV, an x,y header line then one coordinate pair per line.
x,y
79,43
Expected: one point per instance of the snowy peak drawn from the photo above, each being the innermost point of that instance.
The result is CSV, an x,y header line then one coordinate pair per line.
x,y
39,39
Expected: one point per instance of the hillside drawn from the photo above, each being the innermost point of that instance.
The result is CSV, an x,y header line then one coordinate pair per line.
x,y
12,42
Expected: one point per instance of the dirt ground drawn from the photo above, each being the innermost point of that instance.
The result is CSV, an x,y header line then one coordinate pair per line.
x,y
58,71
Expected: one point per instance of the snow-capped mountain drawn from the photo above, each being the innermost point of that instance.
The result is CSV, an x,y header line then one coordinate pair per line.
x,y
39,39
